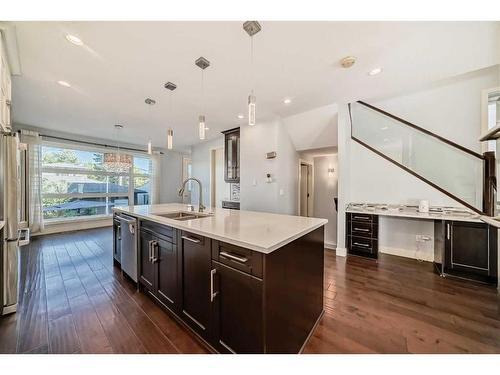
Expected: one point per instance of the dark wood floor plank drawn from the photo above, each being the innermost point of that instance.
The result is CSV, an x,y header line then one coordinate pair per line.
x,y
73,300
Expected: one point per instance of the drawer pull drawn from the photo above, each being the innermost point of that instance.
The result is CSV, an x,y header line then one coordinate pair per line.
x,y
233,257
362,229
195,240
361,217
360,244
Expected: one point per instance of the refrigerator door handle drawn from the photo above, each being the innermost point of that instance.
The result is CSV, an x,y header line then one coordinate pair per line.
x,y
24,240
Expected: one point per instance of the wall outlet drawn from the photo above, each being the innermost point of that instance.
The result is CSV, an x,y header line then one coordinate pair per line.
x,y
423,238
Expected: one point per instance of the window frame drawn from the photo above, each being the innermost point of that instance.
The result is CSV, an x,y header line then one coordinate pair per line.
x,y
85,172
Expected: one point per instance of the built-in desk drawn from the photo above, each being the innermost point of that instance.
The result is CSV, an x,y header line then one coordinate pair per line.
x,y
464,245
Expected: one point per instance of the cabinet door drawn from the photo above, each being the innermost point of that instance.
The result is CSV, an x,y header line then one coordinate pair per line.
x,y
232,155
237,311
195,281
146,265
166,269
117,241
468,247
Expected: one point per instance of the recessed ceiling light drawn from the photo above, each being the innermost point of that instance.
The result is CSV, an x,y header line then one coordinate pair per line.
x,y
375,71
64,83
287,100
74,39
384,128
240,116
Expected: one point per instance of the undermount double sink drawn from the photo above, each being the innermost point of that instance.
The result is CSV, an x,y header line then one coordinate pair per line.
x,y
183,215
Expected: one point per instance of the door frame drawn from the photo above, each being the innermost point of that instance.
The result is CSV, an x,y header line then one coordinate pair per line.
x,y
310,209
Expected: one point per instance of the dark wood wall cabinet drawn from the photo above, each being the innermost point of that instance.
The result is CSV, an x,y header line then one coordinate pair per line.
x,y
466,249
235,299
232,155
362,234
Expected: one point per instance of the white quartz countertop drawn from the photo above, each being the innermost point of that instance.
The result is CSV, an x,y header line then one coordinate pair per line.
x,y
259,231
2,223
414,214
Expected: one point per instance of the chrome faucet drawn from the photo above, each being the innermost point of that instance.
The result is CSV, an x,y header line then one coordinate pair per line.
x,y
201,207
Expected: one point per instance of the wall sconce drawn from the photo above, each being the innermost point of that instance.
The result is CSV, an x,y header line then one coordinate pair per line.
x,y
330,172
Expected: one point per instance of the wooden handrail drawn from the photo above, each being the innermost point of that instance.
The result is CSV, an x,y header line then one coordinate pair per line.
x,y
442,139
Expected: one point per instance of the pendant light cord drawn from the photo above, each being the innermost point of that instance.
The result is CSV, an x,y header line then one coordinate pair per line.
x,y
202,92
251,62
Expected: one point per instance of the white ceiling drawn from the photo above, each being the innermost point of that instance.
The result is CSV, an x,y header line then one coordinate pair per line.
x,y
122,63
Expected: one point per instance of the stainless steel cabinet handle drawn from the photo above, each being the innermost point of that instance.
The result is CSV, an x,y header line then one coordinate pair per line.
x,y
362,229
448,231
212,293
195,240
233,257
154,246
360,244
150,244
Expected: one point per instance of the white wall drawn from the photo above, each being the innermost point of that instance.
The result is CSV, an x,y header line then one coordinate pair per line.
x,y
200,158
325,190
316,128
279,196
450,108
170,176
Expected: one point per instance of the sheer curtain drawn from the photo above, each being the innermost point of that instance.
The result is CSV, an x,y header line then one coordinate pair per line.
x,y
155,178
34,142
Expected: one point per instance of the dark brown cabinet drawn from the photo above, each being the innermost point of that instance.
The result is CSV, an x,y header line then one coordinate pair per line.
x,y
466,249
158,266
237,311
195,282
116,241
221,291
362,234
232,155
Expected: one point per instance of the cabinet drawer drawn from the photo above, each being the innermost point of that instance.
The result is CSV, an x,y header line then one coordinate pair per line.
x,y
362,245
242,259
362,229
359,217
166,232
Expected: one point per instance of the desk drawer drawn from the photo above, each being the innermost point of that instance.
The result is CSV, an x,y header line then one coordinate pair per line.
x,y
362,218
363,246
362,229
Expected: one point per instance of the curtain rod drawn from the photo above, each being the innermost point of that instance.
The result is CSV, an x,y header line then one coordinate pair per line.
x,y
95,144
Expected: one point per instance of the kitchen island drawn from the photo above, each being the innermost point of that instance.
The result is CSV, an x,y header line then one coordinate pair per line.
x,y
243,281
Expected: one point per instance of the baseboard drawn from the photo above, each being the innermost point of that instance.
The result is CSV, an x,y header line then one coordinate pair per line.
x,y
330,245
71,226
341,252
407,253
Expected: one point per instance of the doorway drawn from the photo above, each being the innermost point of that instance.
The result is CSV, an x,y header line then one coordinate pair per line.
x,y
219,188
306,189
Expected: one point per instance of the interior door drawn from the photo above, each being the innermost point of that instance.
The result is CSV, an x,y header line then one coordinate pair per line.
x,y
304,190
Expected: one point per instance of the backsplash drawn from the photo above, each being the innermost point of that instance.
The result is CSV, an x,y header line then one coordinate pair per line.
x,y
235,192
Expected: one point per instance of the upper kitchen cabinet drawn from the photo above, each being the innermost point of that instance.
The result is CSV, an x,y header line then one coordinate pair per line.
x,y
232,155
5,89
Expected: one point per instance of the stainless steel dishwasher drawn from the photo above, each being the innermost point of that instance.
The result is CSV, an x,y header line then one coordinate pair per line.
x,y
128,226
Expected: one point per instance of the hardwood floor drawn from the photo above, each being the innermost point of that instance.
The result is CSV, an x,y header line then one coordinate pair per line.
x,y
74,301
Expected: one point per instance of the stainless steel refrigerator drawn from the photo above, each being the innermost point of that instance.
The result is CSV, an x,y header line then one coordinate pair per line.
x,y
14,233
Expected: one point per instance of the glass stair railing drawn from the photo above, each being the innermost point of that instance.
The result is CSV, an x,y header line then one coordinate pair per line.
x,y
453,169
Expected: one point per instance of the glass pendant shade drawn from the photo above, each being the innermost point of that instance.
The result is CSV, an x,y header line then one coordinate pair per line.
x,y
251,110
170,138
150,147
202,127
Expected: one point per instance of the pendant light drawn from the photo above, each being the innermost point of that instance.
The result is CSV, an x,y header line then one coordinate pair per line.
x,y
150,102
170,132
252,28
202,63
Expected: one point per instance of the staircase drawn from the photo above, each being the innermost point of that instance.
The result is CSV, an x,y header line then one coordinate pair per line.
x,y
462,174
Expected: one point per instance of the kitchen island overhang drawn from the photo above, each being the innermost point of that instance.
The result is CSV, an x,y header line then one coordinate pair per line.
x,y
244,282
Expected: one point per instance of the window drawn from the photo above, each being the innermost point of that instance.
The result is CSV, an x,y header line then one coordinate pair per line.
x,y
81,182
